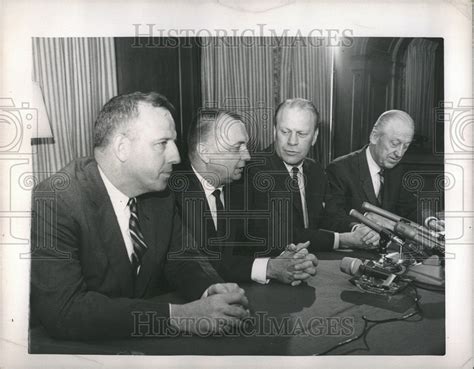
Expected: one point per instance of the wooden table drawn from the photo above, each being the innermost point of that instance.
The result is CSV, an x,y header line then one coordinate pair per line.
x,y
303,320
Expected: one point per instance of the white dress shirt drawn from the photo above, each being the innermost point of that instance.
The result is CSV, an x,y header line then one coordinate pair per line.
x,y
122,212
121,209
374,170
300,176
259,266
301,185
211,199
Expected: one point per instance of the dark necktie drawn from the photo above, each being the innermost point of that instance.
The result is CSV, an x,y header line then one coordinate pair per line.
x,y
219,213
138,241
380,195
297,208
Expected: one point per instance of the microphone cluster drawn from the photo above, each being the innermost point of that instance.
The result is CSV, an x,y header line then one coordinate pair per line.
x,y
374,277
409,230
406,234
387,276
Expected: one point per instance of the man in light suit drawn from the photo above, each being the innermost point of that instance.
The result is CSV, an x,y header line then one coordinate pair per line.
x,y
372,174
291,187
212,202
108,241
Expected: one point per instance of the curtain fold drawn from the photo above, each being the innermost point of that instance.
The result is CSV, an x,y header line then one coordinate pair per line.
x,y
77,76
307,72
252,75
237,75
419,85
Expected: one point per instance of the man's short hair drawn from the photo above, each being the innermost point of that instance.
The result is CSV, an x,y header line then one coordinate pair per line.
x,y
298,103
121,110
203,125
389,116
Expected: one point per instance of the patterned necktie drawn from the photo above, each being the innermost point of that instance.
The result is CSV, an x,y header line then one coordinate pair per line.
x,y
138,241
380,194
219,214
298,208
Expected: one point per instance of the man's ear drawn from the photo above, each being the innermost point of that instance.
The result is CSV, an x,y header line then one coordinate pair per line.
x,y
121,147
315,137
373,138
203,152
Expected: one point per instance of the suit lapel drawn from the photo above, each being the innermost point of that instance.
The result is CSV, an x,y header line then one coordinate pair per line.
x,y
392,184
196,213
312,192
278,171
109,230
365,178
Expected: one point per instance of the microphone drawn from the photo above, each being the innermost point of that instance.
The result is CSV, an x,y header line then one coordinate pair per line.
x,y
384,232
357,268
410,233
366,206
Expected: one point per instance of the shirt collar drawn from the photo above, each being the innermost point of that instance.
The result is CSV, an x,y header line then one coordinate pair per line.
x,y
374,168
117,197
208,188
289,168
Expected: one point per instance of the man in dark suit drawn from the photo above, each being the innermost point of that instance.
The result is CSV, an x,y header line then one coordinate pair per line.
x,y
212,203
290,187
372,174
108,240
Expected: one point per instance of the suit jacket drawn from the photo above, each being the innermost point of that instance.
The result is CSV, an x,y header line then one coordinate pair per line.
x,y
350,184
196,217
82,284
272,201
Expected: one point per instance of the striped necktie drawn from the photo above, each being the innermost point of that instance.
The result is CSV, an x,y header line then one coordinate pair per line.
x,y
138,241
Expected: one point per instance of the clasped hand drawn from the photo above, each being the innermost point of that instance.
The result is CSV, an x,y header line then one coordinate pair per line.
x,y
294,265
221,306
360,238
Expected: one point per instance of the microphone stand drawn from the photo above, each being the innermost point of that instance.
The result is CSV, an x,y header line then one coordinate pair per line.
x,y
428,272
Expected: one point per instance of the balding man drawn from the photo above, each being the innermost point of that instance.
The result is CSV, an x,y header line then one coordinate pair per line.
x,y
372,173
107,243
212,203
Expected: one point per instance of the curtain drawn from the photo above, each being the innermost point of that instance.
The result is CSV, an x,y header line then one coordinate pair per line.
x,y
253,75
307,72
77,76
237,75
419,85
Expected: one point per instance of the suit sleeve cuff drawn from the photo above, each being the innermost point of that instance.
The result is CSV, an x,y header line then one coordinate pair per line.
x,y
336,241
259,270
204,294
